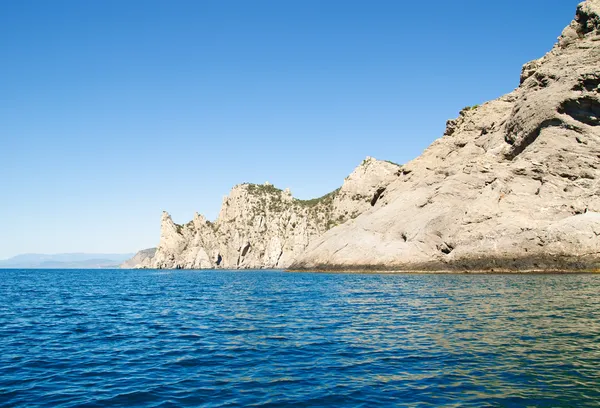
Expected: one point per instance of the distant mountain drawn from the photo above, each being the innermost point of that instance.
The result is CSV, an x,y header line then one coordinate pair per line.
x,y
65,261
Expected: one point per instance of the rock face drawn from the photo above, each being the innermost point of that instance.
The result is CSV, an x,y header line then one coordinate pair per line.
x,y
142,257
512,184
260,226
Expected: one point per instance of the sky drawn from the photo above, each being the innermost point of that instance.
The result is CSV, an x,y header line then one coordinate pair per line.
x,y
113,111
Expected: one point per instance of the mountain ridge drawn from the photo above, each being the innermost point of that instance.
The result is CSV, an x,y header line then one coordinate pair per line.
x,y
513,184
261,226
64,260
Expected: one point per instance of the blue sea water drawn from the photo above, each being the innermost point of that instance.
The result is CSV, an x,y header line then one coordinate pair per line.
x,y
98,338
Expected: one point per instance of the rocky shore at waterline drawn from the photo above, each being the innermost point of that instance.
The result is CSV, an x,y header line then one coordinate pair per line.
x,y
512,185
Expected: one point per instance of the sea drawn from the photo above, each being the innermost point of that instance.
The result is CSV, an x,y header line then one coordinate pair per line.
x,y
157,338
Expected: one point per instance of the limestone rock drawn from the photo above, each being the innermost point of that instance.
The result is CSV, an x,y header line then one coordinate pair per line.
x,y
512,184
260,226
140,260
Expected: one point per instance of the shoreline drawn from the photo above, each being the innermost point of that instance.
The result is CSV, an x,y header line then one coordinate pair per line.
x,y
394,271
533,264
444,272
353,271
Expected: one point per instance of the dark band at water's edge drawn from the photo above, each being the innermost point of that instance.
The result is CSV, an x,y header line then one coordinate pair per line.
x,y
530,264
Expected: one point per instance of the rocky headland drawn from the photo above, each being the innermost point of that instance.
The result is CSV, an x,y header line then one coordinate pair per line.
x,y
513,184
143,257
261,226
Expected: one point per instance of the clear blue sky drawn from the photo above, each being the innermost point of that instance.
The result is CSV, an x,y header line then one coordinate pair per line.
x,y
112,111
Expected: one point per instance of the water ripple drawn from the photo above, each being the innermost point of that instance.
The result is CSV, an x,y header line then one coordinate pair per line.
x,y
205,338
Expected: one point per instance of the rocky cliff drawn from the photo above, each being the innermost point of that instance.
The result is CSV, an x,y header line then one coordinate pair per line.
x,y
143,257
260,226
512,184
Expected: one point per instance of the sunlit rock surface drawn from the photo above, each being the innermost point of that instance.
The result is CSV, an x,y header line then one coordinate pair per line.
x,y
512,184
261,226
